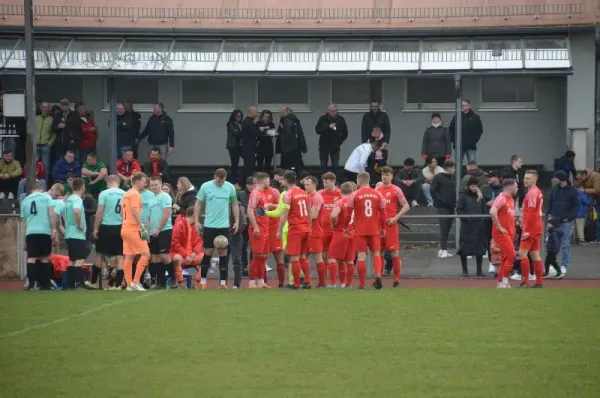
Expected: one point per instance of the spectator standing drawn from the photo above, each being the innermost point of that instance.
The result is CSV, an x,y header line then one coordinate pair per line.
x,y
45,137
357,162
66,125
155,166
332,131
127,130
378,158
249,134
584,202
444,200
10,174
410,179
375,118
436,140
472,130
127,166
473,239
159,130
40,175
473,170
65,165
566,163
589,181
553,244
94,173
430,170
264,144
563,205
513,172
185,196
234,142
89,133
291,140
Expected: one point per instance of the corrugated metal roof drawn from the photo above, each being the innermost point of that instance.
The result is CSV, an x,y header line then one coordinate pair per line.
x,y
313,14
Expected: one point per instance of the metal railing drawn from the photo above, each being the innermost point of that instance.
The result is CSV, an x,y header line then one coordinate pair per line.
x,y
567,9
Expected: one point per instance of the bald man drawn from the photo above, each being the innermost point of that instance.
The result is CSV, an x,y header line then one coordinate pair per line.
x,y
249,134
332,131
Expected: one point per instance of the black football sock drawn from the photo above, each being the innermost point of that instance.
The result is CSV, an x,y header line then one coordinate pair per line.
x,y
31,275
161,279
170,268
48,270
119,278
71,272
95,272
80,275
205,264
153,269
223,268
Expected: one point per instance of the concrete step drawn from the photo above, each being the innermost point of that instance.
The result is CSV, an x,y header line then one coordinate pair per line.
x,y
422,236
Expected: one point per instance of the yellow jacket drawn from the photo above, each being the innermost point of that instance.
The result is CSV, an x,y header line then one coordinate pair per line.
x,y
43,130
13,169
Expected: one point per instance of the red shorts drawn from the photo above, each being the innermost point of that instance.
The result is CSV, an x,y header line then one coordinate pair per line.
x,y
350,253
327,237
507,247
275,245
391,240
297,244
315,244
338,247
185,264
362,242
259,244
533,243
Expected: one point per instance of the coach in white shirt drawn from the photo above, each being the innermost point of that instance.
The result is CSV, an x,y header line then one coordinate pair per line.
x,y
357,162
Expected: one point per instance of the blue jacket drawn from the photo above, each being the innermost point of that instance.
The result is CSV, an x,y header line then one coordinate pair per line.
x,y
566,165
563,203
554,241
61,168
584,202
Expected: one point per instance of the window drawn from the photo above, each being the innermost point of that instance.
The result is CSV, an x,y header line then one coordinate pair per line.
x,y
508,92
53,88
143,92
208,94
430,94
356,94
277,92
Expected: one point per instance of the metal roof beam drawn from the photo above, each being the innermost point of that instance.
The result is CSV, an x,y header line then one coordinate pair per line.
x,y
12,52
60,62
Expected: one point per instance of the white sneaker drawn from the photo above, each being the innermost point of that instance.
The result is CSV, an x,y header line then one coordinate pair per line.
x,y
532,278
503,285
429,204
269,269
485,256
414,203
11,196
469,257
445,254
440,253
138,287
515,277
551,273
129,289
331,286
492,269
2,195
563,270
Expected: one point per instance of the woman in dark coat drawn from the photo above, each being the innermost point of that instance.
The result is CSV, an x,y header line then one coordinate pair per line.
x,y
473,240
234,142
264,149
185,196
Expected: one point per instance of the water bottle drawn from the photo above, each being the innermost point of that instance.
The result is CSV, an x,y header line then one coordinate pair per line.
x,y
214,263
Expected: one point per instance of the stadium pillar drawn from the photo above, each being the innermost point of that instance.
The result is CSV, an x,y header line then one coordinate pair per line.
x,y
459,154
112,120
30,108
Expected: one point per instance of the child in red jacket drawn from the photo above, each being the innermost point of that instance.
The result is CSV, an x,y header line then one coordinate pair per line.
x,y
186,246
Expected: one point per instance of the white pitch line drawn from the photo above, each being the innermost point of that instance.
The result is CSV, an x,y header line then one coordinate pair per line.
x,y
73,317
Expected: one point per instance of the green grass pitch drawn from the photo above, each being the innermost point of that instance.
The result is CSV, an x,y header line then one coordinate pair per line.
x,y
327,343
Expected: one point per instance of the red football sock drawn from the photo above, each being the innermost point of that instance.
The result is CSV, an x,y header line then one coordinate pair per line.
x,y
525,266
362,273
252,269
342,271
507,268
296,267
397,267
500,271
349,273
281,273
322,271
538,269
333,267
261,271
305,269
377,264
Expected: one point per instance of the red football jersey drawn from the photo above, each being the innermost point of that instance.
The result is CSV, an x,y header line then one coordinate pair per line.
x,y
329,200
393,197
316,202
532,212
369,211
345,216
298,216
506,213
257,201
272,197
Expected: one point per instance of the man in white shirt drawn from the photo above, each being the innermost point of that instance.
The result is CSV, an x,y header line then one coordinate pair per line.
x,y
429,171
359,157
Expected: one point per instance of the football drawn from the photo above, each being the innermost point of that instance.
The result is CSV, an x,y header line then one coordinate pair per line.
x,y
220,242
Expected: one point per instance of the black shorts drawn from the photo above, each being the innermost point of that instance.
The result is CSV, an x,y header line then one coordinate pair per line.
x,y
162,243
79,249
38,245
109,240
209,235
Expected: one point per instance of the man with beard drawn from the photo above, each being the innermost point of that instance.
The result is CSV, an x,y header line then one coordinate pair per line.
x,y
472,130
375,118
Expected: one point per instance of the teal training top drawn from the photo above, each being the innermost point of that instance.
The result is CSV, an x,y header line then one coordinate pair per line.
x,y
147,200
162,201
111,200
35,209
217,203
71,229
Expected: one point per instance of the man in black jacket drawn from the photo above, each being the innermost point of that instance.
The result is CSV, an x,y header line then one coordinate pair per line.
x,y
249,133
127,132
444,199
436,140
472,130
292,143
409,179
513,172
67,128
159,130
332,131
136,119
155,166
375,118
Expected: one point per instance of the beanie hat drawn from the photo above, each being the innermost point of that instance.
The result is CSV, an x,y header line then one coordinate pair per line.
x,y
560,175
